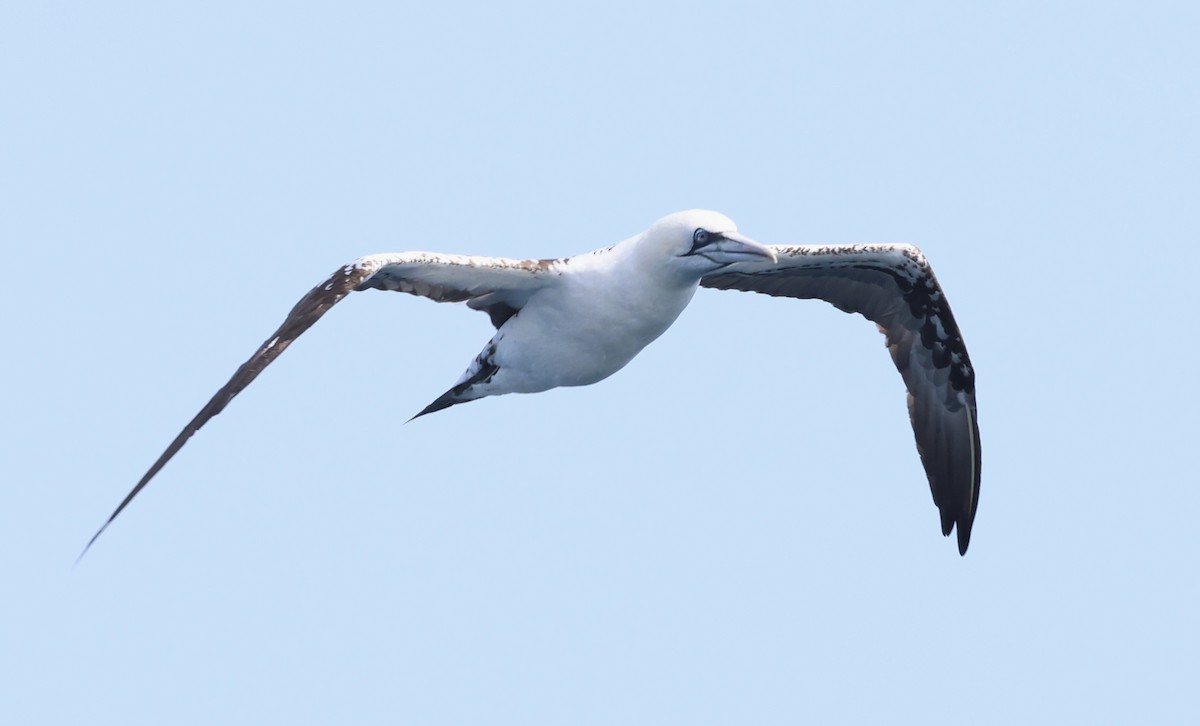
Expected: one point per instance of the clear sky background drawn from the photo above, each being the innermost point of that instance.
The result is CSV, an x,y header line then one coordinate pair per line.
x,y
734,529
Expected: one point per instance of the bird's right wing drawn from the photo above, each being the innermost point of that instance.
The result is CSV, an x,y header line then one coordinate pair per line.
x,y
496,285
894,287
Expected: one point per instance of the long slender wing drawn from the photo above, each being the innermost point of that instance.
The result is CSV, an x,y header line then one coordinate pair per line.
x,y
495,285
894,286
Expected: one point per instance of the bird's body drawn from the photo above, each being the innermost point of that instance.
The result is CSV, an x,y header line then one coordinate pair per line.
x,y
590,316
585,348
575,321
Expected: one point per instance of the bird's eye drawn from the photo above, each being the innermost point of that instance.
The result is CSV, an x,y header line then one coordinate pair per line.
x,y
699,237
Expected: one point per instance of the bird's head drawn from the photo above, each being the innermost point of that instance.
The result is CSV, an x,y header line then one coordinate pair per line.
x,y
698,242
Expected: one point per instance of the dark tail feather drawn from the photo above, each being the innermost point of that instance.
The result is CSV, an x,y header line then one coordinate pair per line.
x,y
455,395
446,400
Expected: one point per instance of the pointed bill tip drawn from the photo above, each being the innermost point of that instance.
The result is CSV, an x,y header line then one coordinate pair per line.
x,y
741,245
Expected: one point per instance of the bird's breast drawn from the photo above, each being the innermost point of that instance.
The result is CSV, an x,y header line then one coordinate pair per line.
x,y
582,333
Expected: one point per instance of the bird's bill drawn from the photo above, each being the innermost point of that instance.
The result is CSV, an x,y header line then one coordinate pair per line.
x,y
730,247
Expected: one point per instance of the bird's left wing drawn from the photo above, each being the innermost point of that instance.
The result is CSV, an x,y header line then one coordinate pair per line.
x,y
894,286
498,286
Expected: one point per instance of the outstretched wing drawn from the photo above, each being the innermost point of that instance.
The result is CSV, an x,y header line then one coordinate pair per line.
x,y
498,286
894,286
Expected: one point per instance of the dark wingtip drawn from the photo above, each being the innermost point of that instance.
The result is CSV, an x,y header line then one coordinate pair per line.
x,y
963,523
953,520
947,521
92,541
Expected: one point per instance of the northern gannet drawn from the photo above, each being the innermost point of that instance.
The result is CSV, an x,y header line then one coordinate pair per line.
x,y
577,320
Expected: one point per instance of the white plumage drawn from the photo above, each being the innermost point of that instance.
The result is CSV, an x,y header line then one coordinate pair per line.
x,y
575,321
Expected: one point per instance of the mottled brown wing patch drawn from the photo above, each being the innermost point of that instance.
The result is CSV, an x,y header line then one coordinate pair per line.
x,y
441,278
309,310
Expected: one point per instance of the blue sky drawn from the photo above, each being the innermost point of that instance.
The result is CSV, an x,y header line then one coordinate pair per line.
x,y
733,529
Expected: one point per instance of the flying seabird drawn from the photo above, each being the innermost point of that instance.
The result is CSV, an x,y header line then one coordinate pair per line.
x,y
577,320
